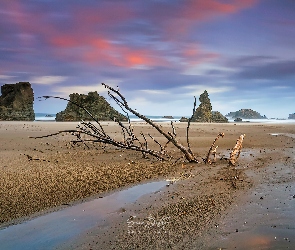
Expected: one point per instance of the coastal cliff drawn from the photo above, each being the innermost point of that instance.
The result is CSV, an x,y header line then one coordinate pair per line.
x,y
94,103
16,102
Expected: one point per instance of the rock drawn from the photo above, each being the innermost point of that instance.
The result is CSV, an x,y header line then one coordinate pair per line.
x,y
16,102
291,116
204,112
94,103
246,114
183,119
238,119
168,117
218,117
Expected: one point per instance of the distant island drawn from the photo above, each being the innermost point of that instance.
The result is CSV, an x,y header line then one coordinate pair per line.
x,y
246,114
291,116
168,117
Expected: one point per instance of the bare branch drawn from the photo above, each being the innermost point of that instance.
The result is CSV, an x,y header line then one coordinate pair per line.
x,y
121,100
188,125
173,129
212,150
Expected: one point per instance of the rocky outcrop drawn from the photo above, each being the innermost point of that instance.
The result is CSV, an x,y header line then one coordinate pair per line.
x,y
218,117
238,119
16,102
168,117
204,112
291,116
94,103
183,119
246,114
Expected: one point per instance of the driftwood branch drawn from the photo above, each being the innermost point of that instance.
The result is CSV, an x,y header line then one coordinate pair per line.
x,y
188,126
235,153
87,132
120,100
95,133
213,150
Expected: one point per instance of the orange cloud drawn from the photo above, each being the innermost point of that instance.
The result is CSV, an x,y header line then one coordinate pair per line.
x,y
106,52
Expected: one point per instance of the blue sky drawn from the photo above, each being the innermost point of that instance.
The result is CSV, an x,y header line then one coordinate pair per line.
x,y
159,52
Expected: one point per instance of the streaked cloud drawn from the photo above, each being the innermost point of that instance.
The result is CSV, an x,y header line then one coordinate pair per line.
x,y
160,53
85,89
6,77
48,80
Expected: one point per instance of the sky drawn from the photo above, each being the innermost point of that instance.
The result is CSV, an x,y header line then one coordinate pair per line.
x,y
160,53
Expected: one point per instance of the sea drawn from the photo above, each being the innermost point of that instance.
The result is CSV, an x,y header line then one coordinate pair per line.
x,y
133,118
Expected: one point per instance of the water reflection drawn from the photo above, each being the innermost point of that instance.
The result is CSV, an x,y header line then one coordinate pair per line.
x,y
48,231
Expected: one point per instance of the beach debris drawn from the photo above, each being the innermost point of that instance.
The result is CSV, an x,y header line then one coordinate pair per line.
x,y
90,133
213,150
235,153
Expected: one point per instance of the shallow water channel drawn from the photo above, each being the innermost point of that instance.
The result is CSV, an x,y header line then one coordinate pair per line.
x,y
51,230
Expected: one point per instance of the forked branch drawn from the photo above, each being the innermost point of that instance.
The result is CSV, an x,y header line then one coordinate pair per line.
x,y
213,150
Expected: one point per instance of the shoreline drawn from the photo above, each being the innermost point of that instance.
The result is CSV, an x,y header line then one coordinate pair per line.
x,y
78,169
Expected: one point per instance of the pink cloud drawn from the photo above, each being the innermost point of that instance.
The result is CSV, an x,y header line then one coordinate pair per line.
x,y
103,51
88,35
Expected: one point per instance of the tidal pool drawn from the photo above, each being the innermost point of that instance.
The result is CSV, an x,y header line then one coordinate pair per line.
x,y
51,230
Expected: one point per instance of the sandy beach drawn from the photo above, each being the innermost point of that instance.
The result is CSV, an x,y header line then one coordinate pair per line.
x,y
39,176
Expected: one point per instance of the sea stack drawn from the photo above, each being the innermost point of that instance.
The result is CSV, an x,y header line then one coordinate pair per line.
x,y
94,103
16,102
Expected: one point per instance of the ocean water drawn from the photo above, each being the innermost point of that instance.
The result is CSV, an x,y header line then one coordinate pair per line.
x,y
44,117
133,118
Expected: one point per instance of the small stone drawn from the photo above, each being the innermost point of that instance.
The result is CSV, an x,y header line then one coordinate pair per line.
x,y
237,230
261,198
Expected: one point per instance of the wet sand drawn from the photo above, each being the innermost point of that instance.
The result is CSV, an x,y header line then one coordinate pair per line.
x,y
43,175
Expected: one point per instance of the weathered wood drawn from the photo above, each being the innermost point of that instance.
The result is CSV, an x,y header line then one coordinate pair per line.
x,y
235,153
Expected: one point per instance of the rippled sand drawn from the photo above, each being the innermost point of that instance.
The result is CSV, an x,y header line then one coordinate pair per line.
x,y
41,175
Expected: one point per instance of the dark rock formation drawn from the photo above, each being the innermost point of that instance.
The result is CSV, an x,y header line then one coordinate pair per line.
x,y
238,119
291,116
94,103
16,102
246,114
218,117
204,112
168,117
183,119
